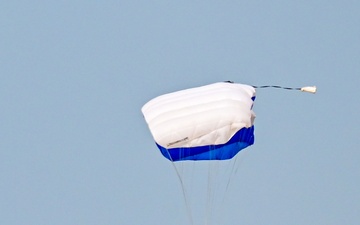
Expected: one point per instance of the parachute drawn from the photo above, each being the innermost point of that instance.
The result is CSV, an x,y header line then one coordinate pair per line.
x,y
211,122
199,130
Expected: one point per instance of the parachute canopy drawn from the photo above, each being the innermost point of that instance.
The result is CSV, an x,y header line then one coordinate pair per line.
x,y
212,122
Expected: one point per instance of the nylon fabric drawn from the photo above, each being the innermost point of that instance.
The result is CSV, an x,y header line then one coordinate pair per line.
x,y
211,122
242,139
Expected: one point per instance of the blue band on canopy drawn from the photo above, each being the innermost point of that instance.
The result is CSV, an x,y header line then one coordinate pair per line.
x,y
241,139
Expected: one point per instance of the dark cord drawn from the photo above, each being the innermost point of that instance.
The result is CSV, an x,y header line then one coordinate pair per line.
x,y
276,86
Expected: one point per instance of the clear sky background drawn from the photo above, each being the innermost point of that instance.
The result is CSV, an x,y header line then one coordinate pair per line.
x,y
75,149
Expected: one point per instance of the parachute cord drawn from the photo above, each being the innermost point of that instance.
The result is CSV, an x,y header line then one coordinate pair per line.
x,y
210,193
234,169
188,209
232,172
276,86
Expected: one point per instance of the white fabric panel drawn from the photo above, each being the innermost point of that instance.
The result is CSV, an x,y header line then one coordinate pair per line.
x,y
206,115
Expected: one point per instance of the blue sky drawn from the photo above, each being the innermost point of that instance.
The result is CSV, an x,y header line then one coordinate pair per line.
x,y
75,149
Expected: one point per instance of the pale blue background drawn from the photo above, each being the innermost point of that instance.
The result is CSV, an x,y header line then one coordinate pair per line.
x,y
75,149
